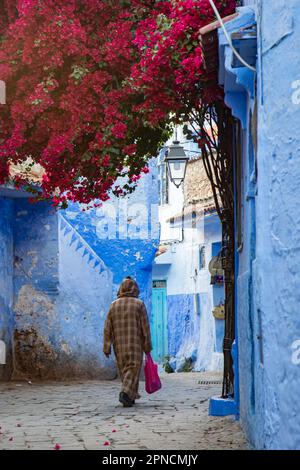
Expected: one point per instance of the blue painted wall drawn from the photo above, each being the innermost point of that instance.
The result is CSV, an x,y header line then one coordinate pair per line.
x,y
276,271
35,289
58,276
6,286
58,319
180,316
124,233
268,274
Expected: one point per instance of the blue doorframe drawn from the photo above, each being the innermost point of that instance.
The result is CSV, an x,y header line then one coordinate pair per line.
x,y
159,321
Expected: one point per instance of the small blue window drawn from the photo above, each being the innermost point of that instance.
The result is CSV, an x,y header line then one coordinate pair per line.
x,y
216,248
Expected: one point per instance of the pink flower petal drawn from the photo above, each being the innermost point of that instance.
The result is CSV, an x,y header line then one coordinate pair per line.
x,y
57,447
106,443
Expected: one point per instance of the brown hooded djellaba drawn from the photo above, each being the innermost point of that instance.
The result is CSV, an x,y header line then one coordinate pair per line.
x,y
127,329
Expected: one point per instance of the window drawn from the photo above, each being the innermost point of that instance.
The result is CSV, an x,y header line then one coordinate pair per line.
x,y
216,249
164,184
202,258
159,284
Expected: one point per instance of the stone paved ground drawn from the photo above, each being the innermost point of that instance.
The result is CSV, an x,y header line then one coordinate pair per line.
x,y
85,415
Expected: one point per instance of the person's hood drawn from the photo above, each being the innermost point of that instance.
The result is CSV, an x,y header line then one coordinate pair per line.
x,y
128,288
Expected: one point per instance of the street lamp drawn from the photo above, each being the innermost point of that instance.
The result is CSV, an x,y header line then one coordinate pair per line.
x,y
176,160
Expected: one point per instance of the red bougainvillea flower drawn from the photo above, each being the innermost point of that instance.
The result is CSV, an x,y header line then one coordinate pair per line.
x,y
92,90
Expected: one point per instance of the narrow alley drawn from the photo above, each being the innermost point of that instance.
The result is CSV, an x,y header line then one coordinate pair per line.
x,y
87,415
149,211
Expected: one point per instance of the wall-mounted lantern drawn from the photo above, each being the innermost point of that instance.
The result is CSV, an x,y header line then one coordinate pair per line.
x,y
176,160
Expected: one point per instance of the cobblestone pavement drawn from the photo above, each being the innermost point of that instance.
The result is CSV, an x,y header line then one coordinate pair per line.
x,y
87,415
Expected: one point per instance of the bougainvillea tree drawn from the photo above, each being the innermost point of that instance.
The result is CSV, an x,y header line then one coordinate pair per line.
x,y
93,85
170,70
92,89
69,108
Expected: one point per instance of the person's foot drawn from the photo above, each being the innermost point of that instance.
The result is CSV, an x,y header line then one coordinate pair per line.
x,y
125,400
138,396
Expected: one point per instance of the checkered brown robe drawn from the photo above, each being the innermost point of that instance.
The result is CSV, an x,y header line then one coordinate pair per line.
x,y
127,329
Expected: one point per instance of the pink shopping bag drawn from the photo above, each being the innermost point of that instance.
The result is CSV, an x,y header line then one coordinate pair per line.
x,y
152,380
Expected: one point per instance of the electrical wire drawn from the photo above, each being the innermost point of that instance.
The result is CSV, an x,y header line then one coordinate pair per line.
x,y
229,38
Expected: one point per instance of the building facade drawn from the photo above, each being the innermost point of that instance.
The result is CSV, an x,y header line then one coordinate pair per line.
x,y
184,327
59,272
266,106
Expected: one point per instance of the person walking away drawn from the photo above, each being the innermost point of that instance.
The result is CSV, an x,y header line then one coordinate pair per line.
x,y
127,330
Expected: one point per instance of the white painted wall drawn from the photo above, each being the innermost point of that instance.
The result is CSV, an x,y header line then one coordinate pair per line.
x,y
184,278
179,266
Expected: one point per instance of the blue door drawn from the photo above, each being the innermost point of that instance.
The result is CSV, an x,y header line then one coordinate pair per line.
x,y
159,324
